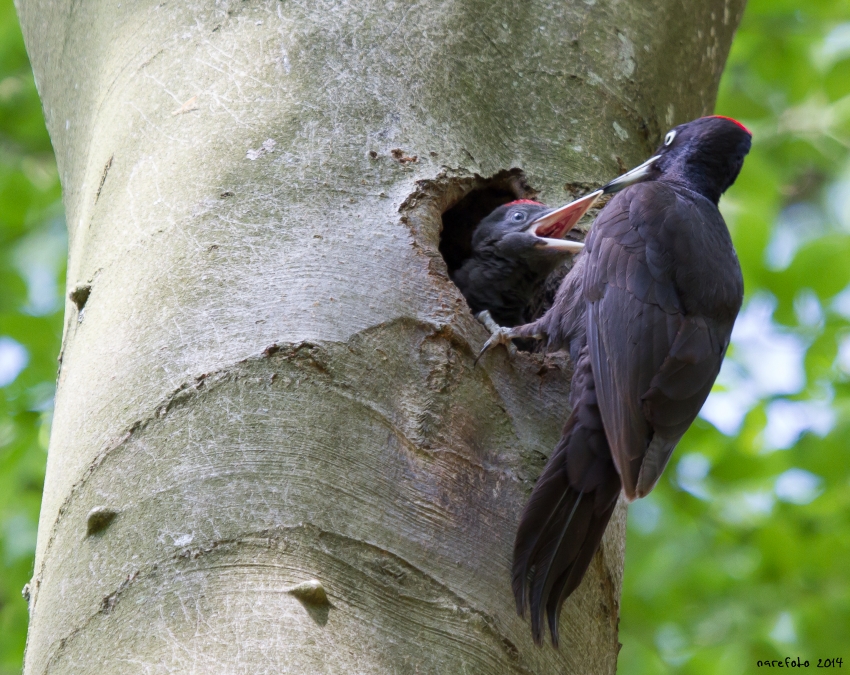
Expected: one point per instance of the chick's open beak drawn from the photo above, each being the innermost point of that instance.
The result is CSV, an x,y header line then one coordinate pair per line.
x,y
552,227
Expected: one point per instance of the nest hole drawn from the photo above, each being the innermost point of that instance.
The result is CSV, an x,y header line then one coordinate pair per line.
x,y
462,217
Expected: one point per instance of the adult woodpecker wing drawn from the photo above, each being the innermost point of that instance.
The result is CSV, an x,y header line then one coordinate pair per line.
x,y
662,286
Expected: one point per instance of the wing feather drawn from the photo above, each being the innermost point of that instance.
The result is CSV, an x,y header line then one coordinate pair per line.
x,y
655,359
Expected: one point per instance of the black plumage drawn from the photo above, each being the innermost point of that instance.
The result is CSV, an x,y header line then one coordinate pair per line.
x,y
646,313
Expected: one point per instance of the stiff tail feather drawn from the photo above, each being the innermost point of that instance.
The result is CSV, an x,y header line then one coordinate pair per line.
x,y
562,525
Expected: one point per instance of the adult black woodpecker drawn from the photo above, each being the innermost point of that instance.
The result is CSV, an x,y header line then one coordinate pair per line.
x,y
514,249
646,313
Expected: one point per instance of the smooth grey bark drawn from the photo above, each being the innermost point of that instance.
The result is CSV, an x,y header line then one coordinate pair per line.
x,y
266,374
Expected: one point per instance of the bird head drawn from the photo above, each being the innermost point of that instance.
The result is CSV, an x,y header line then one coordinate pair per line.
x,y
704,155
525,228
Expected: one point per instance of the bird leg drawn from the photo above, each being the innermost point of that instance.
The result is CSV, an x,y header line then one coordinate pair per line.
x,y
500,335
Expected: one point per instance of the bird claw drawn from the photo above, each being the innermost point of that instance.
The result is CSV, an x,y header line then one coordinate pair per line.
x,y
502,336
499,335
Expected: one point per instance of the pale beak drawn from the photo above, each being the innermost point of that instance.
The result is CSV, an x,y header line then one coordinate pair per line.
x,y
634,176
552,227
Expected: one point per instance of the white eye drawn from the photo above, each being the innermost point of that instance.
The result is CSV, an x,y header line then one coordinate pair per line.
x,y
668,139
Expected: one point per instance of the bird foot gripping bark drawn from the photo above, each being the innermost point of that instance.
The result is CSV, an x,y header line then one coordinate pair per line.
x,y
500,335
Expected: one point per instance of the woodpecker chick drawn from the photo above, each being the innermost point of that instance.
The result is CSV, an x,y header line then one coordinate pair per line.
x,y
514,249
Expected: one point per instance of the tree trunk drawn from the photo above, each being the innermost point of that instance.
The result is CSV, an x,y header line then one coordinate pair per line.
x,y
271,451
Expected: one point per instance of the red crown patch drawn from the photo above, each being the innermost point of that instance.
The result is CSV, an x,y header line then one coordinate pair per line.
x,y
523,201
734,121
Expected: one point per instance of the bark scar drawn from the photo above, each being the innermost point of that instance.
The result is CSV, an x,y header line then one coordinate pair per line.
x,y
103,178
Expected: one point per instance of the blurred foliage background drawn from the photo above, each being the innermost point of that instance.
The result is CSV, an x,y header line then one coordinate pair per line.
x,y
32,278
742,553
